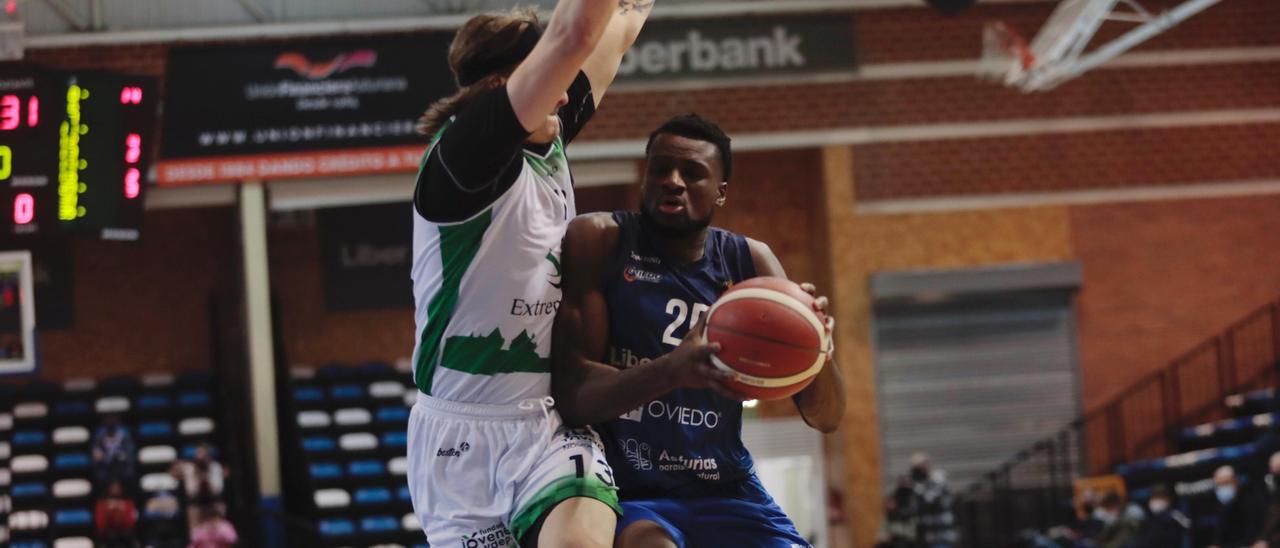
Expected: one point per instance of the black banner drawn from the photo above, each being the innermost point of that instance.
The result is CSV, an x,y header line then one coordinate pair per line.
x,y
681,49
366,252
302,95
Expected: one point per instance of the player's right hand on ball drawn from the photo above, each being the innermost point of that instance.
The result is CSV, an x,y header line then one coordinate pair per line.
x,y
691,363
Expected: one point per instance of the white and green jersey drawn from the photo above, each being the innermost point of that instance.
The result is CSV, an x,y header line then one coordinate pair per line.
x,y
487,289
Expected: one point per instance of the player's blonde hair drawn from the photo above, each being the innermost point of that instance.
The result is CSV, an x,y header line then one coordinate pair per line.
x,y
484,39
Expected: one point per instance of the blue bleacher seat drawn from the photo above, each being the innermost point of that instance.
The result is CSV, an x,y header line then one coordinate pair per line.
x,y
379,370
28,544
118,384
194,398
23,438
366,468
154,402
189,451
72,408
155,429
75,517
379,524
308,394
395,439
403,495
70,461
337,527
346,392
41,389
373,495
336,371
196,379
326,470
28,489
393,414
318,444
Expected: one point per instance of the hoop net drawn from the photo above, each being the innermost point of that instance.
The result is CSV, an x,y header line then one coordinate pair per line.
x,y
1005,54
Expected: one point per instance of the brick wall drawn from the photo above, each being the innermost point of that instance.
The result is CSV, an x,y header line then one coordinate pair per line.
x,y
1068,161
1161,277
144,306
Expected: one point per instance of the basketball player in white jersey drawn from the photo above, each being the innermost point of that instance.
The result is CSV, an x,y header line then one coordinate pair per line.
x,y
490,461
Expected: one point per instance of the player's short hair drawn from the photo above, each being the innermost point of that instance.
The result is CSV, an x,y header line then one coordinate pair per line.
x,y
488,46
696,127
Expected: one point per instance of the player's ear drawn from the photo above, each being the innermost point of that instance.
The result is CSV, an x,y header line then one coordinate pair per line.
x,y
721,192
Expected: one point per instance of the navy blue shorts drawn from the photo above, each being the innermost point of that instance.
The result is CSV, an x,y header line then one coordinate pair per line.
x,y
753,520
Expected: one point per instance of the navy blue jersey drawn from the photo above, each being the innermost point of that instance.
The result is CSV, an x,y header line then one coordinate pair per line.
x,y
687,443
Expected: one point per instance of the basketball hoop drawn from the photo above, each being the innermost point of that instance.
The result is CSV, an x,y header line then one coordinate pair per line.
x,y
1005,54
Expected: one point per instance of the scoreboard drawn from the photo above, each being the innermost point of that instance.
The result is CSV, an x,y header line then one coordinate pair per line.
x,y
73,152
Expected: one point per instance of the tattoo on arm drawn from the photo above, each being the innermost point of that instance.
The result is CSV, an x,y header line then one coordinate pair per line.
x,y
627,6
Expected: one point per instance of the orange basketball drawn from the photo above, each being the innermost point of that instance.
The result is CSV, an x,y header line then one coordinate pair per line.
x,y
770,337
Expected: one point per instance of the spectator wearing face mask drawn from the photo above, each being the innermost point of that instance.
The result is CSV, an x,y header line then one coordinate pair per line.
x,y
1165,526
933,504
1118,526
1239,511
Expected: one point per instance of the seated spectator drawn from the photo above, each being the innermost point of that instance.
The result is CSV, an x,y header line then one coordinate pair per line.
x,y
115,515
202,479
1118,526
901,528
1271,529
114,455
1239,510
1165,526
1088,522
162,528
213,530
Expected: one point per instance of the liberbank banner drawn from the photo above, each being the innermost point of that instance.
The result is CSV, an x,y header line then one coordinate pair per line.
x,y
685,49
299,109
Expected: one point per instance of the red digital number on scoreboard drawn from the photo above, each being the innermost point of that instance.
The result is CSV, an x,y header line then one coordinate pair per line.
x,y
24,205
24,209
132,95
11,112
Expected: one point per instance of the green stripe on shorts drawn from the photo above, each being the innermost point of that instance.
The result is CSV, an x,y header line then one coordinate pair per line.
x,y
557,491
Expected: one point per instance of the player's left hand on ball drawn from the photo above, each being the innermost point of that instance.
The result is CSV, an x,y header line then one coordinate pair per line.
x,y
820,305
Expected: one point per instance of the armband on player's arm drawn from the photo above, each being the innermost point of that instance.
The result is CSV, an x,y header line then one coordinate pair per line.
x,y
541,79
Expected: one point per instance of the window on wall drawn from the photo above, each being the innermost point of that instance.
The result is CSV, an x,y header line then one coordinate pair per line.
x,y
973,366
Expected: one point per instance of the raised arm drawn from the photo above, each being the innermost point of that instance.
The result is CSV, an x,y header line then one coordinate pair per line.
x,y
602,65
586,390
539,82
822,402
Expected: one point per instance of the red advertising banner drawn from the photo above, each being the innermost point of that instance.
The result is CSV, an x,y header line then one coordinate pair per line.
x,y
289,165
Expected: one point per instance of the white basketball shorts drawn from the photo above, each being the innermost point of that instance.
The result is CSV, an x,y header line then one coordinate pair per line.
x,y
482,475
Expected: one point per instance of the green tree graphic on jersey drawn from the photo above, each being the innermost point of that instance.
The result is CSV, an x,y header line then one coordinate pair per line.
x,y
485,355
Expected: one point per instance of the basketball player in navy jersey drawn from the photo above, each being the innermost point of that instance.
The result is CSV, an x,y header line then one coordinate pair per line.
x,y
629,357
